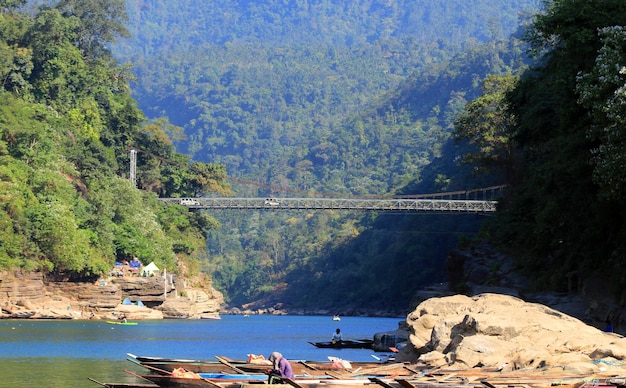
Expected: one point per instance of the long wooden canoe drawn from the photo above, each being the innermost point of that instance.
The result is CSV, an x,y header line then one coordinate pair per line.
x,y
166,365
347,344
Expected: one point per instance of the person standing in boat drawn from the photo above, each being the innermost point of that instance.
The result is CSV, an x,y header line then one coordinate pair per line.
x,y
281,368
336,337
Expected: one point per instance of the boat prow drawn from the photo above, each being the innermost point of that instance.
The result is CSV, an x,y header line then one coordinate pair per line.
x,y
122,323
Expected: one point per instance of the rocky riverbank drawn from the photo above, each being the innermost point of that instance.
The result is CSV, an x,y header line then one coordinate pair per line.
x,y
482,269
472,272
31,295
501,331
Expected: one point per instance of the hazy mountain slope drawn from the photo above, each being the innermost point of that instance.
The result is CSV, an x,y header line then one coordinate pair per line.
x,y
315,97
262,87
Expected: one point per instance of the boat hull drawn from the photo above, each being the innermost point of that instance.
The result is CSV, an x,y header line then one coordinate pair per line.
x,y
162,365
358,344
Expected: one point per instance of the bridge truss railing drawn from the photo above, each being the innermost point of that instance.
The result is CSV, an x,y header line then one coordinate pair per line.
x,y
384,204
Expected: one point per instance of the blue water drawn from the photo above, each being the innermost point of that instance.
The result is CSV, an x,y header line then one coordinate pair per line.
x,y
66,353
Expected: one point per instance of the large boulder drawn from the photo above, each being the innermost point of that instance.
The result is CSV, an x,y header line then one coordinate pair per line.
x,y
492,330
136,312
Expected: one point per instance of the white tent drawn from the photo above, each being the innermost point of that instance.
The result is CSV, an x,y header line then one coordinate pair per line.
x,y
150,269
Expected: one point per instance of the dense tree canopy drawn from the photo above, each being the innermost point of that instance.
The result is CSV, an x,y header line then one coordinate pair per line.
x,y
315,98
564,215
310,98
487,126
67,121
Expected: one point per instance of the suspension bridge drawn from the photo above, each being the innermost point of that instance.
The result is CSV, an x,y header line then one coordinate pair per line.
x,y
483,200
473,201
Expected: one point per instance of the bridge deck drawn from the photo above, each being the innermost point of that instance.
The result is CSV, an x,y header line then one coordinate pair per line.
x,y
425,205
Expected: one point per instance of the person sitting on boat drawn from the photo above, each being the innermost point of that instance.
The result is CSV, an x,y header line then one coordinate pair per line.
x,y
122,317
281,368
336,337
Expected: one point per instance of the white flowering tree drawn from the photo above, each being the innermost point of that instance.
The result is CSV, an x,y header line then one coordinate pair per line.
x,y
603,91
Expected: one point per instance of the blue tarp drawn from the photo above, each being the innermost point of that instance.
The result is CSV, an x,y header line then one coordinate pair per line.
x,y
127,301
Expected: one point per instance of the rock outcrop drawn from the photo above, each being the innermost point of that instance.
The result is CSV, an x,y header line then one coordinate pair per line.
x,y
31,295
482,269
493,330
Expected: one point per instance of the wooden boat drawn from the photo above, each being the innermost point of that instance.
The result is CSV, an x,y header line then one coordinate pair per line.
x,y
163,365
221,365
248,380
124,385
387,376
345,344
122,323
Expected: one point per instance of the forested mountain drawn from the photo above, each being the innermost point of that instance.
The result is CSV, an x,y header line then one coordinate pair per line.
x,y
312,98
267,88
324,98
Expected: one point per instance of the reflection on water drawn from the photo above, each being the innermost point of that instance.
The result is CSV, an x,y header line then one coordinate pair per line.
x,y
66,353
63,372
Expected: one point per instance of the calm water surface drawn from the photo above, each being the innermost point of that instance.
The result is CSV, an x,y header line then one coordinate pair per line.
x,y
66,353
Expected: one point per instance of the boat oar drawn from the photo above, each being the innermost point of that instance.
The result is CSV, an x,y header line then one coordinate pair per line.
x,y
97,382
381,382
136,375
228,364
291,382
307,365
159,370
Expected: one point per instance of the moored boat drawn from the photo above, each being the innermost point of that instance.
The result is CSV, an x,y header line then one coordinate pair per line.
x,y
124,385
345,344
163,365
246,380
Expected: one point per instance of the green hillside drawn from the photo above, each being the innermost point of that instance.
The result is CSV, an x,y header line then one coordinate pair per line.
x,y
565,216
67,123
311,98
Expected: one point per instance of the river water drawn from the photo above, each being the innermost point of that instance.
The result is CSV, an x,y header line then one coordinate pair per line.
x,y
66,353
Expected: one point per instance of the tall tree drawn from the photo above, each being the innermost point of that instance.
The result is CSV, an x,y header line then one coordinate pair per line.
x,y
602,90
487,125
100,22
555,215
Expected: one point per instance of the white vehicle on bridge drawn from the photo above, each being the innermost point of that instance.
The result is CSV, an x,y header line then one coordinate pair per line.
x,y
189,202
272,202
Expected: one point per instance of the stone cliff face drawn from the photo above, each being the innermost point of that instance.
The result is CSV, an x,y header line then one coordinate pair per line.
x,y
30,295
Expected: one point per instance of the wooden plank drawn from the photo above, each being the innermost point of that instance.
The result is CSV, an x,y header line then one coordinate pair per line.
x,y
380,382
487,383
136,375
211,383
380,370
307,365
228,364
405,383
291,382
336,375
159,370
97,382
